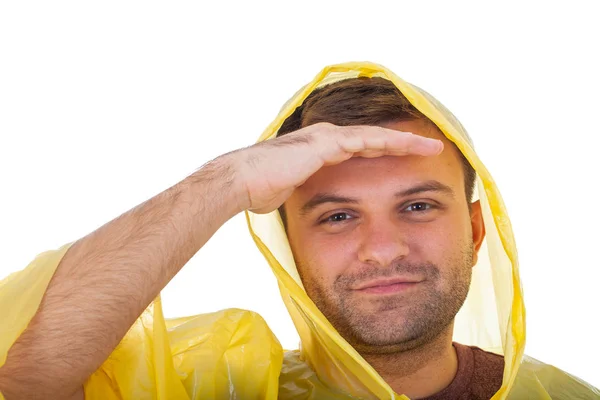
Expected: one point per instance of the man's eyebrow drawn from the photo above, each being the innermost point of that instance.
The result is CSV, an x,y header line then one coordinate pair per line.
x,y
322,198
427,186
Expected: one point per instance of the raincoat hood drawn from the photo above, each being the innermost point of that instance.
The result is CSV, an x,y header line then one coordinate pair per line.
x,y
493,316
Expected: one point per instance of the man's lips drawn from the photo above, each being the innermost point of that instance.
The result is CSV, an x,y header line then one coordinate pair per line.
x,y
387,286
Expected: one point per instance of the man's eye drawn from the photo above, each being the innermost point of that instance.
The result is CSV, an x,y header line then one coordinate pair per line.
x,y
339,217
419,207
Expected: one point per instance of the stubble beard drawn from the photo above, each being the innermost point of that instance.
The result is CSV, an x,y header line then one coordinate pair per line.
x,y
400,322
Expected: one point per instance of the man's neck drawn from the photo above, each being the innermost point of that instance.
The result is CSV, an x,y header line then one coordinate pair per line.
x,y
419,372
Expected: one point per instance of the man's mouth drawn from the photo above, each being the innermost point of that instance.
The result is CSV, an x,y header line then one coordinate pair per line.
x,y
387,285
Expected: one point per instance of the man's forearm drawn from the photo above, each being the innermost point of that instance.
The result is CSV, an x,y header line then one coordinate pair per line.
x,y
108,278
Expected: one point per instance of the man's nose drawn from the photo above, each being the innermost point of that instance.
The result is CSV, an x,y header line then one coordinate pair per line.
x,y
382,243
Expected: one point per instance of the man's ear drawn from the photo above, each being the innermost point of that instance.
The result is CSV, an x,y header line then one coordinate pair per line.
x,y
478,228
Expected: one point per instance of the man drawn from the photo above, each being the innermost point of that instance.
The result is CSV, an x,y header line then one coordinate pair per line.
x,y
375,252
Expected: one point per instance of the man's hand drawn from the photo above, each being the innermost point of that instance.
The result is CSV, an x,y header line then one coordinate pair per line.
x,y
271,170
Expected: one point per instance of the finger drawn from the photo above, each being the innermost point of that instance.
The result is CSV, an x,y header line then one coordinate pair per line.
x,y
357,139
401,144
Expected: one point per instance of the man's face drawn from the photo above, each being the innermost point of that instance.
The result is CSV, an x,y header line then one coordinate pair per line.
x,y
385,246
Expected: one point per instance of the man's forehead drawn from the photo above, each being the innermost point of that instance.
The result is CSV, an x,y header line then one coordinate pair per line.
x,y
393,170
367,180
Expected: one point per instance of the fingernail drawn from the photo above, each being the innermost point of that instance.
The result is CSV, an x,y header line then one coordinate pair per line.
x,y
441,145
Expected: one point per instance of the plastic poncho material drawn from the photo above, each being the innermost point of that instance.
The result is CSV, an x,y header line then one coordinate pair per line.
x,y
233,354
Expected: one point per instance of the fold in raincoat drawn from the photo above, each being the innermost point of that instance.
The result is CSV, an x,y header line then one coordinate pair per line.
x,y
233,354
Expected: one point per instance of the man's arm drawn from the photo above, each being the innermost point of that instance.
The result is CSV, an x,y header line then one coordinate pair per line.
x,y
107,279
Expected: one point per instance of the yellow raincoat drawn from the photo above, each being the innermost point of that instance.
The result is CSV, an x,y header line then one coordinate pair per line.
x,y
233,354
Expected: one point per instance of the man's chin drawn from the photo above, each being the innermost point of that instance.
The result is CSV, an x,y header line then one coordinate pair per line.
x,y
386,346
380,337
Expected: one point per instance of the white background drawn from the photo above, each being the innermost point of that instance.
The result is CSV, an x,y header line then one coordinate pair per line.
x,y
105,105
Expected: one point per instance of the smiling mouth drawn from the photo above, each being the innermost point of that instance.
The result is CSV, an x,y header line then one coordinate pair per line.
x,y
387,286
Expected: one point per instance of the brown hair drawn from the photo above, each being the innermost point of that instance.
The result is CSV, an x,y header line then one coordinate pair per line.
x,y
361,101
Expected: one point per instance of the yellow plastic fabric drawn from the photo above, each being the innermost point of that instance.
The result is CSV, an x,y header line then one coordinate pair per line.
x,y
233,354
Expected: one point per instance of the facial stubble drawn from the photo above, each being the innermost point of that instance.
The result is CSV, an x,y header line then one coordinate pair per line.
x,y
399,322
